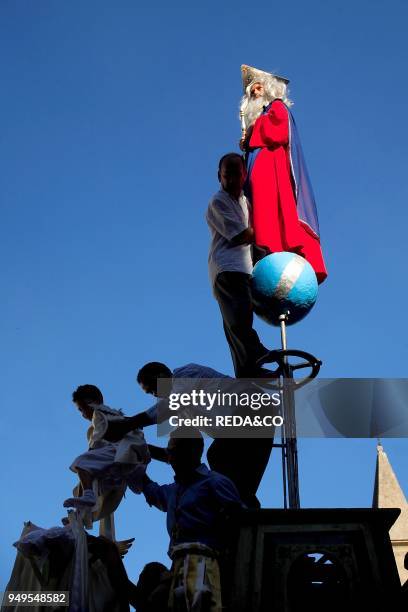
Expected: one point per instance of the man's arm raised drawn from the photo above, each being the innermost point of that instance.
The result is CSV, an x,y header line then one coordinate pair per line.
x,y
156,414
118,429
245,237
159,453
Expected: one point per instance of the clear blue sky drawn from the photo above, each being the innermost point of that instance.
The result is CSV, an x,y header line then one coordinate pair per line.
x,y
113,118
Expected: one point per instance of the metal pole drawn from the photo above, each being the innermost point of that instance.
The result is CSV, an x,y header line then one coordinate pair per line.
x,y
291,446
289,441
282,320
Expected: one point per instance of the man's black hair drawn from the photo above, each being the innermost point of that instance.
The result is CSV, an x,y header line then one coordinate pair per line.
x,y
151,371
188,436
230,156
88,393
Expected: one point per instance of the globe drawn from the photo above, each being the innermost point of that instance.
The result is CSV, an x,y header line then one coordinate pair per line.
x,y
283,283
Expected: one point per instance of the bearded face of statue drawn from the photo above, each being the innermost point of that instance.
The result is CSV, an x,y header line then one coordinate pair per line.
x,y
260,94
257,91
253,103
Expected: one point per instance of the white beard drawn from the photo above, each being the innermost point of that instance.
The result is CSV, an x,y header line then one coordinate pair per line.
x,y
252,108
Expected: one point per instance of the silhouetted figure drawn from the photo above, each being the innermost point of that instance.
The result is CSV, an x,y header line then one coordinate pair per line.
x,y
198,505
151,593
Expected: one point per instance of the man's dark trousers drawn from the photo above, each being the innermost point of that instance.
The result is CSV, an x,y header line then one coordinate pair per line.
x,y
233,293
242,460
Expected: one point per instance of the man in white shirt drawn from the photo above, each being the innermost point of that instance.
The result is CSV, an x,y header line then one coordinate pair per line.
x,y
230,265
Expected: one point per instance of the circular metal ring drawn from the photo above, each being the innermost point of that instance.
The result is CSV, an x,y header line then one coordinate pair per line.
x,y
280,356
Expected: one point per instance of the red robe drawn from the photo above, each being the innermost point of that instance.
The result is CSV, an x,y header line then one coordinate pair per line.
x,y
275,218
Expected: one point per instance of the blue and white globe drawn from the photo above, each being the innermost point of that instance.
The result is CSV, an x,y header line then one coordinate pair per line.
x,y
283,283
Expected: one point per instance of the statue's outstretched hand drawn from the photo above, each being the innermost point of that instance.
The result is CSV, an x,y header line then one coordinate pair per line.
x,y
124,546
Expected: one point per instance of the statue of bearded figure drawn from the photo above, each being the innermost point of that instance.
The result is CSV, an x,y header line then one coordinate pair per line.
x,y
278,184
